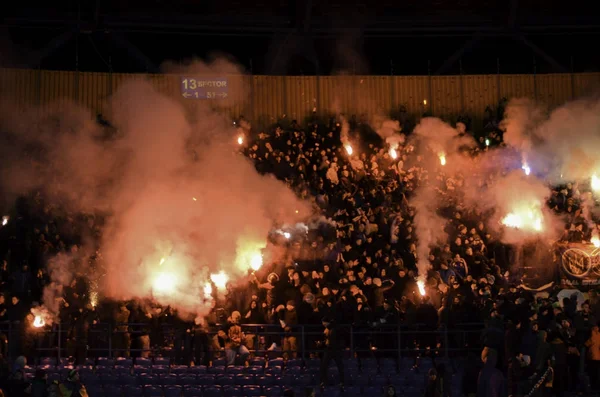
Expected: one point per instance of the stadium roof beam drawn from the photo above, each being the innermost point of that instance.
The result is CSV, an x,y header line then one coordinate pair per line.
x,y
136,53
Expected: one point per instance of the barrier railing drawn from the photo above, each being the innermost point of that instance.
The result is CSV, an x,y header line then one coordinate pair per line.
x,y
190,344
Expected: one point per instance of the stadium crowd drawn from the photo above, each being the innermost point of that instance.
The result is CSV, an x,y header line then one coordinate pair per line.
x,y
358,269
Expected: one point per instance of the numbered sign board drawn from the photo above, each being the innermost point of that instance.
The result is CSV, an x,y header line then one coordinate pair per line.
x,y
204,88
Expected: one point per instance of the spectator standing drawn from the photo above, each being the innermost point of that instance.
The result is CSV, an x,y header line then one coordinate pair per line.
x,y
333,351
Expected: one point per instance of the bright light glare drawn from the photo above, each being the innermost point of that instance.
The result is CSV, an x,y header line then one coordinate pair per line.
x,y
287,235
256,261
348,148
162,260
596,241
442,157
38,321
219,279
240,140
526,168
5,220
487,142
207,290
595,185
421,286
424,101
526,220
164,283
393,153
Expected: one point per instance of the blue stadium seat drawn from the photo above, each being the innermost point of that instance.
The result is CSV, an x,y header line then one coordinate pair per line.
x,y
294,362
303,380
124,362
294,370
360,380
244,380
127,380
179,369
368,362
170,379
101,369
352,391
276,362
219,369
132,391
193,391
273,370
162,361
287,380
114,390
252,391
152,391
219,362
205,380
94,391
172,391
91,379
90,361
66,361
212,391
122,371
333,391
372,391
234,370
160,369
232,391
379,380
105,362
313,363
258,361
255,370
225,380
108,379
138,369
274,391
351,363
197,370
188,380
265,380
142,361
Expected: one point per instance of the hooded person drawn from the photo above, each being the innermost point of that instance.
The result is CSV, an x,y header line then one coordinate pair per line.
x,y
491,382
333,351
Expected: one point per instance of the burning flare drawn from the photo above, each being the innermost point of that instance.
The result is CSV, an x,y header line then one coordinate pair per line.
x,y
164,283
5,220
421,286
525,167
240,140
595,183
256,261
348,148
595,240
207,290
393,152
220,279
526,218
38,321
442,157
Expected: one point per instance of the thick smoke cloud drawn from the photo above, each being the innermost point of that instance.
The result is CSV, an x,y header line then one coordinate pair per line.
x,y
181,202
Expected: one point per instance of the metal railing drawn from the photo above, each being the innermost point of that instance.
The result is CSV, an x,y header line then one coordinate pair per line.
x,y
104,339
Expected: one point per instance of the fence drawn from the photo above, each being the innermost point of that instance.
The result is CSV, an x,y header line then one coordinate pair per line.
x,y
107,340
265,99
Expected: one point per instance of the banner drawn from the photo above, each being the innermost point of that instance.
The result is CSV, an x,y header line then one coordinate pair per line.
x,y
579,264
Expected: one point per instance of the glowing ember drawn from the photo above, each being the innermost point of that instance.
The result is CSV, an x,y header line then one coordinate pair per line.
x,y
164,283
421,286
526,219
5,220
207,290
595,185
393,153
240,140
296,211
38,321
220,279
287,235
425,102
93,298
194,198
487,142
526,168
348,148
596,241
162,260
256,261
442,157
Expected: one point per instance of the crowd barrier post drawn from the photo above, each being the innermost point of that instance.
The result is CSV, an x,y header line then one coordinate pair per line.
x,y
399,333
59,339
303,343
446,341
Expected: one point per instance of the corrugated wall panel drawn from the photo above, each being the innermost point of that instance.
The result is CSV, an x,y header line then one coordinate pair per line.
x,y
301,95
22,85
338,94
446,92
267,95
586,83
517,86
479,92
94,90
57,88
373,94
554,89
411,92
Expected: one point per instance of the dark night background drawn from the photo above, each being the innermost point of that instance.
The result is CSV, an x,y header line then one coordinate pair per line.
x,y
413,37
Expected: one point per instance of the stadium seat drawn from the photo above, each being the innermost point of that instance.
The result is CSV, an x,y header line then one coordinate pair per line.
x,y
115,390
372,391
89,361
162,361
232,391
258,361
219,362
255,370
170,379
212,391
205,380
294,370
127,380
124,362
108,379
303,380
179,369
225,380
265,380
95,391
273,391
100,369
192,392
49,361
294,362
142,361
244,380
334,391
276,362
360,380
252,391
160,369
368,362
219,369
273,370
234,370
137,369
313,363
132,391
122,371
188,380
172,391
105,362
91,379
152,391
379,380
352,391
197,370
